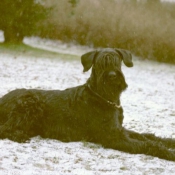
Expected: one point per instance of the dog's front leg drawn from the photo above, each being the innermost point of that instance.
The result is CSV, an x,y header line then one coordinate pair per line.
x,y
135,143
167,142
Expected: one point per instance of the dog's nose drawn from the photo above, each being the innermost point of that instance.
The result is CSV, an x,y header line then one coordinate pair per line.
x,y
112,75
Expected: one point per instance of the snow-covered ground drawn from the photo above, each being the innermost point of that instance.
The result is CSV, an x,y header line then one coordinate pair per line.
x,y
149,105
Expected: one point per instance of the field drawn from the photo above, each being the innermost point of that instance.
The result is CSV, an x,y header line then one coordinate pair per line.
x,y
149,106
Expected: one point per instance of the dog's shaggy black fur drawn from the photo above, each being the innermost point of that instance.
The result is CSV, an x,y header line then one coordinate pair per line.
x,y
90,112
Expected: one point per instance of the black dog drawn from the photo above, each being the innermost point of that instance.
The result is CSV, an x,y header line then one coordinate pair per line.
x,y
90,112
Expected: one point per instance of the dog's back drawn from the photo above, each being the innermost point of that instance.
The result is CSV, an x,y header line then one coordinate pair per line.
x,y
68,115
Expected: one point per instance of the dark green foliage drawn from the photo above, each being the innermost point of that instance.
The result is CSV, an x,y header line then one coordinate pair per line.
x,y
21,18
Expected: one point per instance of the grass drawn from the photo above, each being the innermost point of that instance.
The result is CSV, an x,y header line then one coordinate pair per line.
x,y
23,49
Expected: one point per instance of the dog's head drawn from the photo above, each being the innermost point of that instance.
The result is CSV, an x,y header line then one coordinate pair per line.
x,y
107,77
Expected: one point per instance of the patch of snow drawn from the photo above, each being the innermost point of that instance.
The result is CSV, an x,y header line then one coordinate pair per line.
x,y
149,106
57,46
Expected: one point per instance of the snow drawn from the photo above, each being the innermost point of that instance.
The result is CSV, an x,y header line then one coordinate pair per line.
x,y
149,106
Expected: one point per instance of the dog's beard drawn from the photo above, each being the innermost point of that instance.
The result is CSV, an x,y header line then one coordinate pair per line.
x,y
111,90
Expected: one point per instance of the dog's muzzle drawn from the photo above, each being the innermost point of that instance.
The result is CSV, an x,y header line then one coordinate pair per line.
x,y
112,75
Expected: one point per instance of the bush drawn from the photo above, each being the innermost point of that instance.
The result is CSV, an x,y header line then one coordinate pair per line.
x,y
20,18
145,29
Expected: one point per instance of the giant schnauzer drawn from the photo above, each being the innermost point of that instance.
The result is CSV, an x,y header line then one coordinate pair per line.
x,y
91,112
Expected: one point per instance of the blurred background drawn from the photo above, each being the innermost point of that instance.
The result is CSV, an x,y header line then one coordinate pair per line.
x,y
146,27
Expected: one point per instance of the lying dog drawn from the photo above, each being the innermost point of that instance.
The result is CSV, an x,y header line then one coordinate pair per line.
x,y
90,112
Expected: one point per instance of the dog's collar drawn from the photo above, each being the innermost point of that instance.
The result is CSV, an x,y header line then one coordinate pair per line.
x,y
112,104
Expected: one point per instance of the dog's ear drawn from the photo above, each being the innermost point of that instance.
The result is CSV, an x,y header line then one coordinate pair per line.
x,y
87,60
126,57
